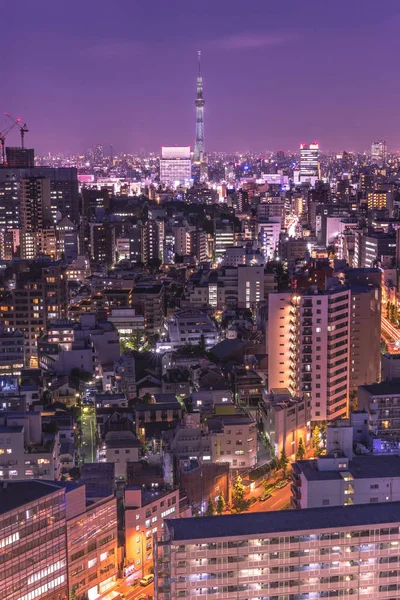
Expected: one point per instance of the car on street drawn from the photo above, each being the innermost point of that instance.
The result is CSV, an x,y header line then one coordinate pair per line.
x,y
264,497
281,484
146,580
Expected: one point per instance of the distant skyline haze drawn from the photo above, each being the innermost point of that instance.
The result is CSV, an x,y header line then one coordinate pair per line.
x,y
275,73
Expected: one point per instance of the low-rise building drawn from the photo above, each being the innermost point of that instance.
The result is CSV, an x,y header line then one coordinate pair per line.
x,y
233,439
335,480
285,420
341,479
382,402
21,459
202,481
192,327
248,386
163,409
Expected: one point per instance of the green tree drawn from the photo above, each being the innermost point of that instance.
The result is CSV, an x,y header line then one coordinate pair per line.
x,y
146,398
134,341
353,400
316,441
384,347
301,450
238,501
283,461
210,510
221,504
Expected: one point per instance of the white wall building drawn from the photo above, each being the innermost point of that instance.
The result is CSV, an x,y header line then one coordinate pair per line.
x,y
268,234
175,166
188,327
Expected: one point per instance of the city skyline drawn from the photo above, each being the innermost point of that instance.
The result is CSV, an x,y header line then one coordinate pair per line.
x,y
274,75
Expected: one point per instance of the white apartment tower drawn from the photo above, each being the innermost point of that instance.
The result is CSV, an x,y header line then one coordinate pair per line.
x,y
309,348
175,166
309,162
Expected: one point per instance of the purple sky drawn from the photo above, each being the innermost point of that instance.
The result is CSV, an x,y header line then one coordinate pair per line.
x,y
276,72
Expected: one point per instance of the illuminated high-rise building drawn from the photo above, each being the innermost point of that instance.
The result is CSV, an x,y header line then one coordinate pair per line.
x,y
379,151
175,165
309,161
98,155
199,143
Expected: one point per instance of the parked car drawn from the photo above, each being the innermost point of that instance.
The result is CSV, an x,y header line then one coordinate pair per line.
x,y
281,484
264,497
146,580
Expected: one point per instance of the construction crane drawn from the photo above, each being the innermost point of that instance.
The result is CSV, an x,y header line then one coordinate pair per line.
x,y
23,128
3,135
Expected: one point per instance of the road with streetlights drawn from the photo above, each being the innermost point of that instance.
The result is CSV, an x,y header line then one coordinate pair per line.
x,y
279,499
391,335
89,437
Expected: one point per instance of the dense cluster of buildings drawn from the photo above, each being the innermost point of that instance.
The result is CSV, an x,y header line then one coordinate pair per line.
x,y
173,327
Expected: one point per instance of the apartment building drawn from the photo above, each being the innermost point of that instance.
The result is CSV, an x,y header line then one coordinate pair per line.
x,y
365,335
151,298
84,345
189,326
233,440
309,348
382,402
39,297
12,354
120,448
250,286
285,420
145,511
27,456
231,286
336,552
337,480
224,237
248,386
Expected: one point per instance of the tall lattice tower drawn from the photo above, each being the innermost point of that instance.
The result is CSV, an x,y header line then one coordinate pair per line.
x,y
200,102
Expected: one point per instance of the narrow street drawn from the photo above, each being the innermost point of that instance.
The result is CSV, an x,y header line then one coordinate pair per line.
x,y
278,500
89,437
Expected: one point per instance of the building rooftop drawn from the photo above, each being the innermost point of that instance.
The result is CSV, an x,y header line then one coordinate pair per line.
x,y
264,523
383,388
360,467
14,494
11,428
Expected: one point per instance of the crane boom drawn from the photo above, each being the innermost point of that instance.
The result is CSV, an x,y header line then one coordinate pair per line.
x,y
22,128
3,135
